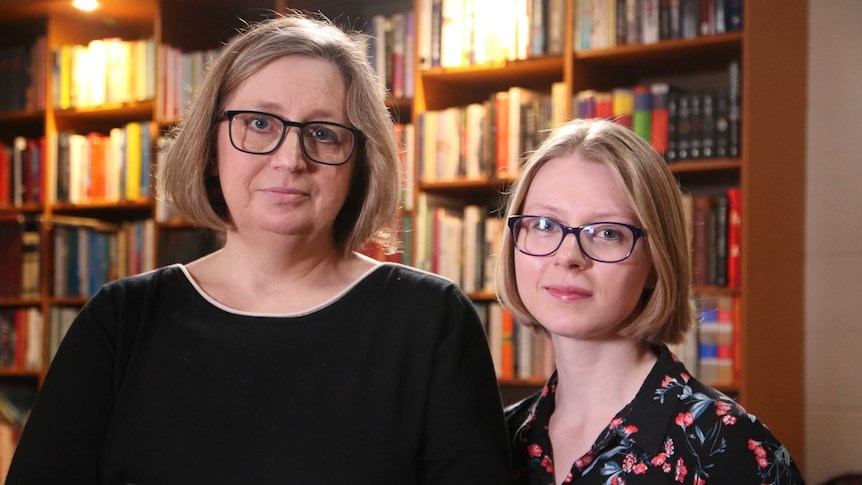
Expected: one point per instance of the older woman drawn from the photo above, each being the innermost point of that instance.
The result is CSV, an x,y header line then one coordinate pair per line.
x,y
285,356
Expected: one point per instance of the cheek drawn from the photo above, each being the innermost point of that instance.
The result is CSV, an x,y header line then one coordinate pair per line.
x,y
526,273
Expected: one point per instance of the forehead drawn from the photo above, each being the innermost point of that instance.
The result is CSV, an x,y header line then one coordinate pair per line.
x,y
294,80
577,186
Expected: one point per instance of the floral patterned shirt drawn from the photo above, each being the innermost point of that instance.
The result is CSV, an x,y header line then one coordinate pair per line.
x,y
676,430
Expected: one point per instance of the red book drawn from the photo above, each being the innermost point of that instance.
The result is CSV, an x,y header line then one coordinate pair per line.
x,y
5,171
660,117
507,351
604,105
97,188
734,237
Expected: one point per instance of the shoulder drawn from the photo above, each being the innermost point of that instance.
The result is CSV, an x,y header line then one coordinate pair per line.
x,y
737,444
398,277
136,288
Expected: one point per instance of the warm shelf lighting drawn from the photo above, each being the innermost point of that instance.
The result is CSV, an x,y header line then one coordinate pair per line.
x,y
86,5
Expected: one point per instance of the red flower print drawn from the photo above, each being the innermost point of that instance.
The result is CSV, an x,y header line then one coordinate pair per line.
x,y
618,481
547,465
728,420
640,468
585,460
753,444
681,471
685,376
699,481
630,430
659,459
616,422
534,450
760,452
668,447
667,381
721,408
629,463
762,462
666,467
684,419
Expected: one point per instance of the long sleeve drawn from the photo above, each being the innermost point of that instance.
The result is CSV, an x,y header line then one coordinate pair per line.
x,y
63,436
465,427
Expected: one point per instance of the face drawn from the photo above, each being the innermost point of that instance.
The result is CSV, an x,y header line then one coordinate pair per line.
x,y
569,294
283,192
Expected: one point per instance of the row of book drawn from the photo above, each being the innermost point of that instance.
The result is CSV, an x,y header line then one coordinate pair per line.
x,y
391,44
179,74
679,124
20,238
517,351
22,170
710,351
610,23
456,241
89,253
23,75
715,220
97,167
455,33
104,72
21,338
487,139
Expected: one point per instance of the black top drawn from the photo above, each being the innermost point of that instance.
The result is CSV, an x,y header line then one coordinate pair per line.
x,y
390,383
676,430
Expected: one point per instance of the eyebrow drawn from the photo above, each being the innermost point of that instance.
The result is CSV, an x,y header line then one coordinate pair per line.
x,y
319,114
597,217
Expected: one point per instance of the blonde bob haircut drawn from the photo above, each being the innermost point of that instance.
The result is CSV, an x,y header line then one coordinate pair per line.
x,y
665,312
187,174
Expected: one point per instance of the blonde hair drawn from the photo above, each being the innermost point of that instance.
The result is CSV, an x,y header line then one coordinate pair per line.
x,y
666,311
185,177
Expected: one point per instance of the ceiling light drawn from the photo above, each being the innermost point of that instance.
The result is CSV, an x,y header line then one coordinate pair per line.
x,y
86,5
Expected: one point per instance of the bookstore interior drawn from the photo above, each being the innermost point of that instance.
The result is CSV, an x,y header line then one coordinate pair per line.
x,y
86,98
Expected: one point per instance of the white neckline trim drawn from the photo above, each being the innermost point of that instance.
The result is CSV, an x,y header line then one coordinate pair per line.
x,y
212,301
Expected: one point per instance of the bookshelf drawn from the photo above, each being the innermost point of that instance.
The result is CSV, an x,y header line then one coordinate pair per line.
x,y
770,52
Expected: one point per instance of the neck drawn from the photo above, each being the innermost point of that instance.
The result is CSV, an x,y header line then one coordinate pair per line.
x,y
598,376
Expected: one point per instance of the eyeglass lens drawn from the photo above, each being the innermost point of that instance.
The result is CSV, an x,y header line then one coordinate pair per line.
x,y
261,133
603,241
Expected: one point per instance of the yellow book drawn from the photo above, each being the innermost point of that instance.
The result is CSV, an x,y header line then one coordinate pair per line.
x,y
133,161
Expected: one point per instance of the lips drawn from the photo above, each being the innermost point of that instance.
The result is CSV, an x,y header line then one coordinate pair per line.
x,y
568,293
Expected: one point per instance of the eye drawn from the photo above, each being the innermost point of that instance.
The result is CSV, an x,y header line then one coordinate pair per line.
x,y
608,232
259,123
322,134
543,224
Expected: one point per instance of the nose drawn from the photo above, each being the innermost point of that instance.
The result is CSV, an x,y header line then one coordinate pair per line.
x,y
289,154
570,253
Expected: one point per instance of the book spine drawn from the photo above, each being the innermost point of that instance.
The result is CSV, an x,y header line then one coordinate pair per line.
x,y
734,237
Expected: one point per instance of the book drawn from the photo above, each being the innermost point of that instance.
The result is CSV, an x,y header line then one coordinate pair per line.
x,y
734,237
659,117
623,106
643,111
700,239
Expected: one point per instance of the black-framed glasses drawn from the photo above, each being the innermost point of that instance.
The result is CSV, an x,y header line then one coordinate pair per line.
x,y
605,242
262,133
